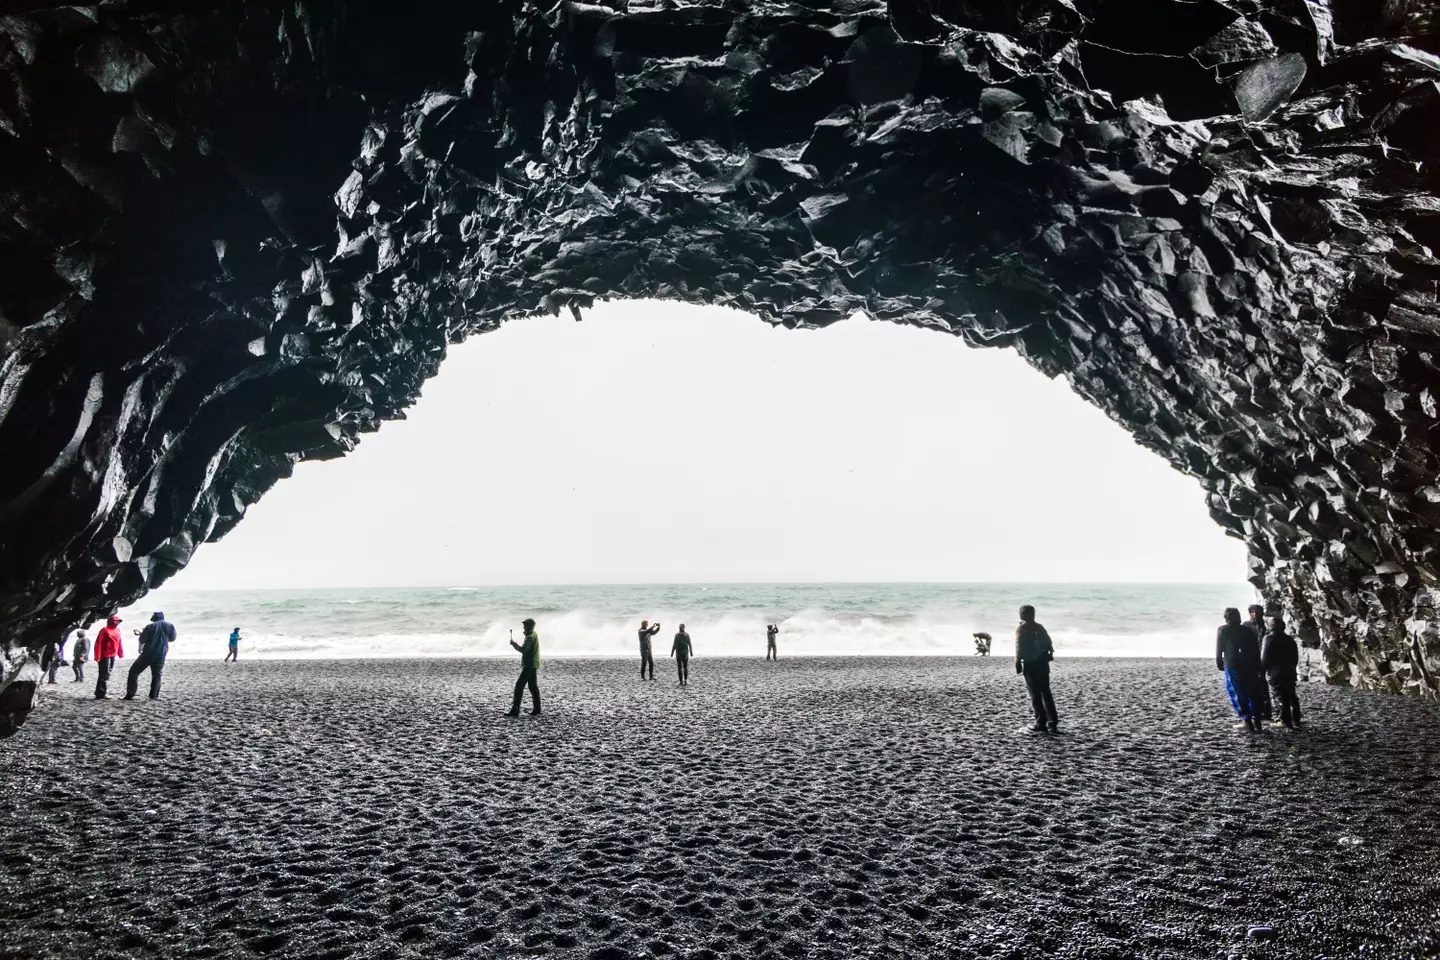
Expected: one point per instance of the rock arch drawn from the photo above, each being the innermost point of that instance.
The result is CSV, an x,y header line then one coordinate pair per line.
x,y
243,236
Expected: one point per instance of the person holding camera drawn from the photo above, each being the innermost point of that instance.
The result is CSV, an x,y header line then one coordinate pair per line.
x,y
771,632
1033,653
155,642
646,656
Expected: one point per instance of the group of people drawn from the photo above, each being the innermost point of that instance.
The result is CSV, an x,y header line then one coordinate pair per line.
x,y
1033,653
681,648
109,646
1258,662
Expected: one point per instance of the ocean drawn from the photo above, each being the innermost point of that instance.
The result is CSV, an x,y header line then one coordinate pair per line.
x,y
815,619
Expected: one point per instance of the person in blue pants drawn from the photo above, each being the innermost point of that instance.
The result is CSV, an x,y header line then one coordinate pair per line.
x,y
1237,653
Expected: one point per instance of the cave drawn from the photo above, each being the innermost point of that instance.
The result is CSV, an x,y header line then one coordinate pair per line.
x,y
238,236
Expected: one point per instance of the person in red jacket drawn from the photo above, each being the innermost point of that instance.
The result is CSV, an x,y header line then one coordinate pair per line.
x,y
107,648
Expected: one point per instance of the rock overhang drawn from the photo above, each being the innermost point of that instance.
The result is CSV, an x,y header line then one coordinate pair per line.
x,y
243,236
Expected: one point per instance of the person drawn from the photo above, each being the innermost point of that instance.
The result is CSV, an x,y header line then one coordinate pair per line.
x,y
646,657
1238,654
529,670
681,650
51,658
107,648
234,651
1257,623
1280,659
155,642
1033,653
78,652
982,644
770,633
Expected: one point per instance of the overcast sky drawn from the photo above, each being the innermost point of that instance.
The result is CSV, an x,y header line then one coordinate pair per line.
x,y
655,442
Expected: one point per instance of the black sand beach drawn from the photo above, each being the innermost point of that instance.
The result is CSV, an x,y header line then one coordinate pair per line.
x,y
805,808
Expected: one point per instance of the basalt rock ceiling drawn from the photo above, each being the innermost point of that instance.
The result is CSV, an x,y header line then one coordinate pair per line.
x,y
238,235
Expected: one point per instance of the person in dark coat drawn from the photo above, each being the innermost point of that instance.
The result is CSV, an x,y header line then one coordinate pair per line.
x,y
681,650
1237,652
1033,653
51,658
155,642
78,654
1280,658
529,670
771,632
647,657
1257,623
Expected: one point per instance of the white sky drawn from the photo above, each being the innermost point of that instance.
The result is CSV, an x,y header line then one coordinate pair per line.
x,y
656,442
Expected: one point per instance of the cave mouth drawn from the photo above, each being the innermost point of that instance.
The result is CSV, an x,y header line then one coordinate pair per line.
x,y
241,238
660,442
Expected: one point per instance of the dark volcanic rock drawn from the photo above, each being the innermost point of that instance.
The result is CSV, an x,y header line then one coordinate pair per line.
x,y
240,236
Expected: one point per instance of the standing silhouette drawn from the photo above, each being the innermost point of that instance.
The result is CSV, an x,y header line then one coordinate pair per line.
x,y
529,670
647,658
1237,652
1033,653
681,650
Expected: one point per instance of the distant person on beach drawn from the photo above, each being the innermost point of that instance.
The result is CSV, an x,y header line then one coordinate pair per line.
x,y
107,648
1280,659
1033,653
1257,623
1237,652
155,642
234,652
771,632
646,656
529,670
982,644
78,652
681,650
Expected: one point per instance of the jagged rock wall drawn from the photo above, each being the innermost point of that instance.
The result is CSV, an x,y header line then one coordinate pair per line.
x,y
241,236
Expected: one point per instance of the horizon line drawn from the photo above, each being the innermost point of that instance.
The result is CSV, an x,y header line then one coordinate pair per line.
x,y
725,583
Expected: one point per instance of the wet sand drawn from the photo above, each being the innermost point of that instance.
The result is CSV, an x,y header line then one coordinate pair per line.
x,y
805,808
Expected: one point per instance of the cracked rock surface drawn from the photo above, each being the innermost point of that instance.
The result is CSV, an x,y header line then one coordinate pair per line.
x,y
238,236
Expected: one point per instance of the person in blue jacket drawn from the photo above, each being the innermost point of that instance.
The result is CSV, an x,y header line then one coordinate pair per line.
x,y
233,653
1237,652
155,642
